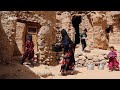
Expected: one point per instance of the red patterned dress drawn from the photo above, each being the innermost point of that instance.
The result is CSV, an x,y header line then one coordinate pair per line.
x,y
29,50
113,63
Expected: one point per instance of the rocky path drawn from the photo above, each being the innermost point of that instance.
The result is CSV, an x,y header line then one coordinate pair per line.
x,y
16,71
52,72
47,72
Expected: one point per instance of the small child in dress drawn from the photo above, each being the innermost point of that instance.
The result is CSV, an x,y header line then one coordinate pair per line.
x,y
113,63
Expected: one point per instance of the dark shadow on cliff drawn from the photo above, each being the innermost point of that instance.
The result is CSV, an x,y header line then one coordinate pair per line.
x,y
4,44
16,50
14,70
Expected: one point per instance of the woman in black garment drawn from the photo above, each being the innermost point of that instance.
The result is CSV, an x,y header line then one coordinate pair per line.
x,y
69,47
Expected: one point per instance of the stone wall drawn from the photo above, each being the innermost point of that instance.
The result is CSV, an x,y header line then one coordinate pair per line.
x,y
65,22
46,32
12,32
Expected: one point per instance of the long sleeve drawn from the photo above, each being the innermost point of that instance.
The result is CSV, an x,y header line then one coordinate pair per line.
x,y
65,42
112,54
26,44
83,36
115,54
108,55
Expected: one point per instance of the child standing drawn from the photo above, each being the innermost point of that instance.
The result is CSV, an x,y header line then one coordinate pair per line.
x,y
113,63
83,39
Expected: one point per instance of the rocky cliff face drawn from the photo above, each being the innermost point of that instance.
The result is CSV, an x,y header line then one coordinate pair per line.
x,y
51,23
114,19
65,22
7,37
96,22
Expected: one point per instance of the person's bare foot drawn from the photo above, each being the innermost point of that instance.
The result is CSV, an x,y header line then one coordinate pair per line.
x,y
116,69
71,72
110,70
63,74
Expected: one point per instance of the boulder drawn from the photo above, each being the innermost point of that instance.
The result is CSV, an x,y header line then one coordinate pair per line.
x,y
80,53
84,55
79,65
77,46
81,62
101,57
89,57
77,59
45,73
95,59
82,58
47,60
104,62
76,55
87,50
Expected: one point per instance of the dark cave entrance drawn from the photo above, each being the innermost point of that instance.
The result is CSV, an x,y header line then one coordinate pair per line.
x,y
76,20
108,30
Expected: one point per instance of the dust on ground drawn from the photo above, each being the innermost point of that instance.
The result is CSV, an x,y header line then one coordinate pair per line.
x,y
14,70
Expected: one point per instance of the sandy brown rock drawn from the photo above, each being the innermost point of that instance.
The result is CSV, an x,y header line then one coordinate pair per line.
x,y
82,58
89,56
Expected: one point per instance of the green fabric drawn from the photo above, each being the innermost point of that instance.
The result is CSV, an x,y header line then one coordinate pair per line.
x,y
83,35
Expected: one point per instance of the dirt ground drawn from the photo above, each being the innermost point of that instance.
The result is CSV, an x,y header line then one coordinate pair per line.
x,y
17,71
79,73
14,70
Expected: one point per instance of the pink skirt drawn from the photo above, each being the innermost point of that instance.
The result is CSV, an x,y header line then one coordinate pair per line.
x,y
113,63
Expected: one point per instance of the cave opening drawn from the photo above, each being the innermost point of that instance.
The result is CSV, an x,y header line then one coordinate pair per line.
x,y
76,20
109,29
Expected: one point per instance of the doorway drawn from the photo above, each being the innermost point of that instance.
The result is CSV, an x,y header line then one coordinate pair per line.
x,y
76,20
32,30
24,28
